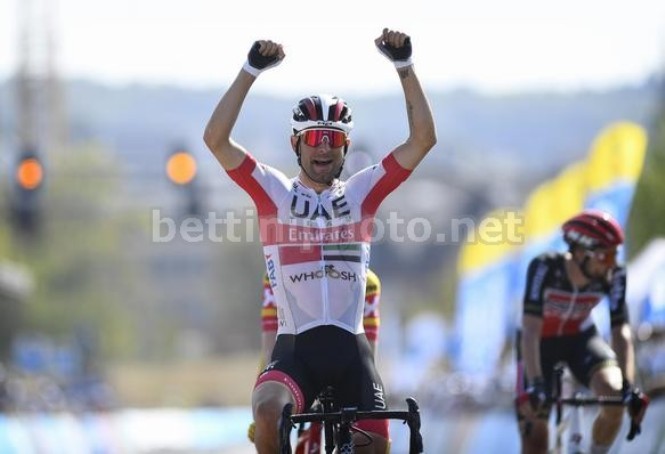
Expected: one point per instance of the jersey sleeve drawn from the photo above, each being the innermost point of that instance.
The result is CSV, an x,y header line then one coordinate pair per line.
x,y
617,297
264,184
373,184
535,286
268,308
371,318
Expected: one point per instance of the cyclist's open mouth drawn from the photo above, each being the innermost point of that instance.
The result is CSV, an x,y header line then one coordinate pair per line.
x,y
322,165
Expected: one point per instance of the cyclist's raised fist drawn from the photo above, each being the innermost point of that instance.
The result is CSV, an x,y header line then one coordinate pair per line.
x,y
264,54
395,46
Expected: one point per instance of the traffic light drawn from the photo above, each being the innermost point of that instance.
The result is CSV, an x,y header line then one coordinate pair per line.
x,y
181,170
27,182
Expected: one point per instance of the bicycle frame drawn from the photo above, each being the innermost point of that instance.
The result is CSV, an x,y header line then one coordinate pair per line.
x,y
338,423
576,401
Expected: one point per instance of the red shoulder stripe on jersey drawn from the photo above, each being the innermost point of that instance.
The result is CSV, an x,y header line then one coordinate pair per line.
x,y
394,175
242,175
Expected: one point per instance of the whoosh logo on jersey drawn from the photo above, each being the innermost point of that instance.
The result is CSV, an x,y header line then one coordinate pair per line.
x,y
326,271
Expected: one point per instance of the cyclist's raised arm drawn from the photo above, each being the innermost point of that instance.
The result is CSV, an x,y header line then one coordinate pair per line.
x,y
396,46
217,135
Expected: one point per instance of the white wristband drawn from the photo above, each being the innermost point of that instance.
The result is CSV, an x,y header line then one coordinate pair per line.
x,y
403,63
251,70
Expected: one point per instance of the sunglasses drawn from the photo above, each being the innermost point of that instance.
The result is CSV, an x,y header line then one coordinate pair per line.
x,y
314,137
605,256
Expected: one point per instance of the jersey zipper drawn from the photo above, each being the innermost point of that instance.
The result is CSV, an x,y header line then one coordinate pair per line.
x,y
571,306
324,281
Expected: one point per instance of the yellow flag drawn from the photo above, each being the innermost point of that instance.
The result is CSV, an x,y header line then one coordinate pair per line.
x,y
617,155
493,239
570,188
540,211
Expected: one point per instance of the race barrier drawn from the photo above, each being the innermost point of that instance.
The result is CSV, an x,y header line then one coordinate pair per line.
x,y
225,430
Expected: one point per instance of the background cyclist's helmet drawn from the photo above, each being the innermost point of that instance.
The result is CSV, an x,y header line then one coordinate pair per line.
x,y
321,111
593,229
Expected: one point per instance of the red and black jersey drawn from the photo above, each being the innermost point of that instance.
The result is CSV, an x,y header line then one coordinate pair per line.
x,y
566,309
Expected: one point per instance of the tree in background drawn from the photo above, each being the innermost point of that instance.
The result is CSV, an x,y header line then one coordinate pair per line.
x,y
77,261
647,219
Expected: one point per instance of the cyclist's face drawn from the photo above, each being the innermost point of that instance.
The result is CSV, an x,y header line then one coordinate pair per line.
x,y
321,163
601,261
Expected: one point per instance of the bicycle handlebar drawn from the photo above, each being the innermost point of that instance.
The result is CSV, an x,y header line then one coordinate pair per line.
x,y
339,416
587,401
349,415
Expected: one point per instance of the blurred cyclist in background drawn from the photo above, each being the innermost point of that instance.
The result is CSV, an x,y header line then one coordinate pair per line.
x,y
561,290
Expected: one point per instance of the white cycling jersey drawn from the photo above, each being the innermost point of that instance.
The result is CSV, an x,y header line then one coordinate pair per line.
x,y
317,246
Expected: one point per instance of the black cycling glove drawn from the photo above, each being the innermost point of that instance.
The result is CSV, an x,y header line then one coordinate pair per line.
x,y
257,63
400,56
636,404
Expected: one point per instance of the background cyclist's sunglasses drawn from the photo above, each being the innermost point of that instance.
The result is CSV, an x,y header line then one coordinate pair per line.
x,y
314,137
605,256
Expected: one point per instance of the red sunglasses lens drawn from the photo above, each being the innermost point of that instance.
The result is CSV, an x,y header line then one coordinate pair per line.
x,y
607,257
314,137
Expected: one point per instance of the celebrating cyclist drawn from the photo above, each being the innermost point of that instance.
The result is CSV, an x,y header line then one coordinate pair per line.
x,y
557,326
316,234
310,440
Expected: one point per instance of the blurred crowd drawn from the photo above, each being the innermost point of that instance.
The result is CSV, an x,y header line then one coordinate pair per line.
x,y
43,376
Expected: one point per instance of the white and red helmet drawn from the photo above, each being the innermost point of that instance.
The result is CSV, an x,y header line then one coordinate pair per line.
x,y
321,111
593,229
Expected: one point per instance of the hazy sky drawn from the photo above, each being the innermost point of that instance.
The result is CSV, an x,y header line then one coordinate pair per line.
x,y
494,46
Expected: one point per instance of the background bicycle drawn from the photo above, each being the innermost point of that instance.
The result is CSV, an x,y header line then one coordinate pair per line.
x,y
573,408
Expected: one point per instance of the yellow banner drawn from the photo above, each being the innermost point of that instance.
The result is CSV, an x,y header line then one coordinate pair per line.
x,y
496,236
540,210
617,154
570,189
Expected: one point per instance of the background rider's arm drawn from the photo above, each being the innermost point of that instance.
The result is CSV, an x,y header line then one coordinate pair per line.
x,y
622,344
621,334
422,133
374,345
268,339
532,316
531,330
371,313
268,323
217,134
